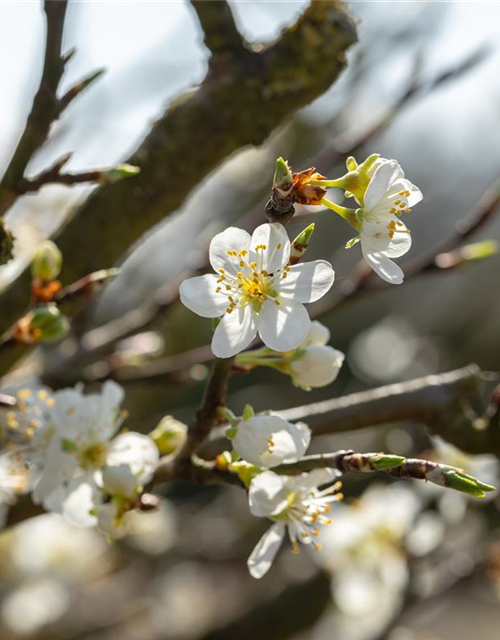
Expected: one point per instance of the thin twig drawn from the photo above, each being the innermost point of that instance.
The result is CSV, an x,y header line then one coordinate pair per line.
x,y
45,109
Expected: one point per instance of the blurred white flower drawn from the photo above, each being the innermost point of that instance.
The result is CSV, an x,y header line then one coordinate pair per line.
x,y
267,441
34,605
383,236
296,505
365,551
256,291
84,460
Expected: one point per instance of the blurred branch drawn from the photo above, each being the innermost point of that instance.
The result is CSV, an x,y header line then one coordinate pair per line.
x,y
442,402
238,104
53,175
221,35
45,109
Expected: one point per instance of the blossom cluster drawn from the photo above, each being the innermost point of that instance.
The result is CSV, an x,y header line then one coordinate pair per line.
x,y
295,504
64,448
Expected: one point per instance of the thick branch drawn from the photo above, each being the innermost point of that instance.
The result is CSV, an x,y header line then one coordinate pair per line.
x,y
238,104
220,33
45,107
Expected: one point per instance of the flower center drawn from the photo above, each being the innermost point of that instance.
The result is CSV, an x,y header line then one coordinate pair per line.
x,y
251,285
94,456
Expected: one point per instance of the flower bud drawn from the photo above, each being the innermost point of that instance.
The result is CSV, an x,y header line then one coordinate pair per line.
x,y
300,244
47,262
47,324
122,171
318,335
315,366
169,435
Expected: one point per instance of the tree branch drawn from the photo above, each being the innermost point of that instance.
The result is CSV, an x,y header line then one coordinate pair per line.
x,y
237,105
45,107
221,36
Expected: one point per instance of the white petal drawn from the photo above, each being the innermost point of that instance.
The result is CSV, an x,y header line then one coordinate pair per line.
x,y
77,501
307,282
384,267
232,239
415,194
112,395
234,332
199,295
262,556
268,494
119,480
318,335
317,367
277,252
109,523
253,437
382,180
59,468
376,238
137,451
75,414
283,327
316,478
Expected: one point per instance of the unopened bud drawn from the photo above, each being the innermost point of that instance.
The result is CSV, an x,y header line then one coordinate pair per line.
x,y
118,173
282,179
169,435
47,324
300,244
47,262
351,163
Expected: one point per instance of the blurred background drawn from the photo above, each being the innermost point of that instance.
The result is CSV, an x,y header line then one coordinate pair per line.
x,y
402,561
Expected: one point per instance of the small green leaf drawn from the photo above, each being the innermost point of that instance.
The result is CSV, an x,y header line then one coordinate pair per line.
x,y
382,461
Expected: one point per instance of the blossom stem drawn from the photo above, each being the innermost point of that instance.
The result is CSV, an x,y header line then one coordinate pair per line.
x,y
349,215
206,417
328,183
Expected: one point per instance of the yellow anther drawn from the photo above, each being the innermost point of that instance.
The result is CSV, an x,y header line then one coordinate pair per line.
x,y
24,393
295,548
317,547
228,287
277,303
253,265
278,246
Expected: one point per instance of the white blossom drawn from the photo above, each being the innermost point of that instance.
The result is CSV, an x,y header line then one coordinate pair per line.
x,y
85,463
255,290
318,335
267,441
296,505
383,235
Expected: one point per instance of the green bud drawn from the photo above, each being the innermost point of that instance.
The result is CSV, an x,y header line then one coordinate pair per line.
x,y
248,412
47,262
169,435
453,478
48,324
351,163
118,173
300,244
382,461
282,174
245,471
